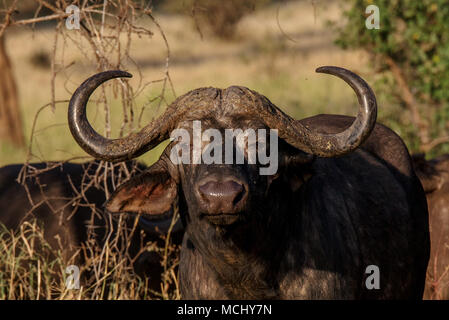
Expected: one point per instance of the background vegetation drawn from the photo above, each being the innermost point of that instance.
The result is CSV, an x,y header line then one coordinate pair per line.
x,y
410,53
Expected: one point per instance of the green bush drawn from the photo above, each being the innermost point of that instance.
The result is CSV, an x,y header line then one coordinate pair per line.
x,y
414,36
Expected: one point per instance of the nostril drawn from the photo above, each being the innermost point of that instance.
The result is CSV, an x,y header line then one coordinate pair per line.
x,y
227,191
239,194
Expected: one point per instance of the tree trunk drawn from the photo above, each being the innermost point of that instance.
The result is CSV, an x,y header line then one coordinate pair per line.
x,y
10,120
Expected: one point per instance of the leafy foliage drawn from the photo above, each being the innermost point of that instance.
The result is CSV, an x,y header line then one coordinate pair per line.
x,y
415,36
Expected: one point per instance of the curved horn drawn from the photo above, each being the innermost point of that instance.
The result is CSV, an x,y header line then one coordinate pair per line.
x,y
328,145
291,130
125,148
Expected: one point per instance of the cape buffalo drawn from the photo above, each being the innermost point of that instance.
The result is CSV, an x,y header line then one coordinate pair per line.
x,y
67,203
434,176
343,217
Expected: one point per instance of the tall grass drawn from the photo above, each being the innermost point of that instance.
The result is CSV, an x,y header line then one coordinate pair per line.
x,y
31,269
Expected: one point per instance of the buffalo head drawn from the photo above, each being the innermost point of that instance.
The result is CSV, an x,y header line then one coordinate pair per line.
x,y
226,191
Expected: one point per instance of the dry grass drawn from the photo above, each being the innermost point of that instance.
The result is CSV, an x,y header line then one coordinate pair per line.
x,y
32,269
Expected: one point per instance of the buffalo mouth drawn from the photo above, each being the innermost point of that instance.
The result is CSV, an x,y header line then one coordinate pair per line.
x,y
222,219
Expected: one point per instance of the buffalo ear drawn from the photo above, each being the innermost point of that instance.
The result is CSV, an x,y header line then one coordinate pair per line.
x,y
427,173
430,182
151,194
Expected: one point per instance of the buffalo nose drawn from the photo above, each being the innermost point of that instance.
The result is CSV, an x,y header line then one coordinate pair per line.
x,y
222,197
